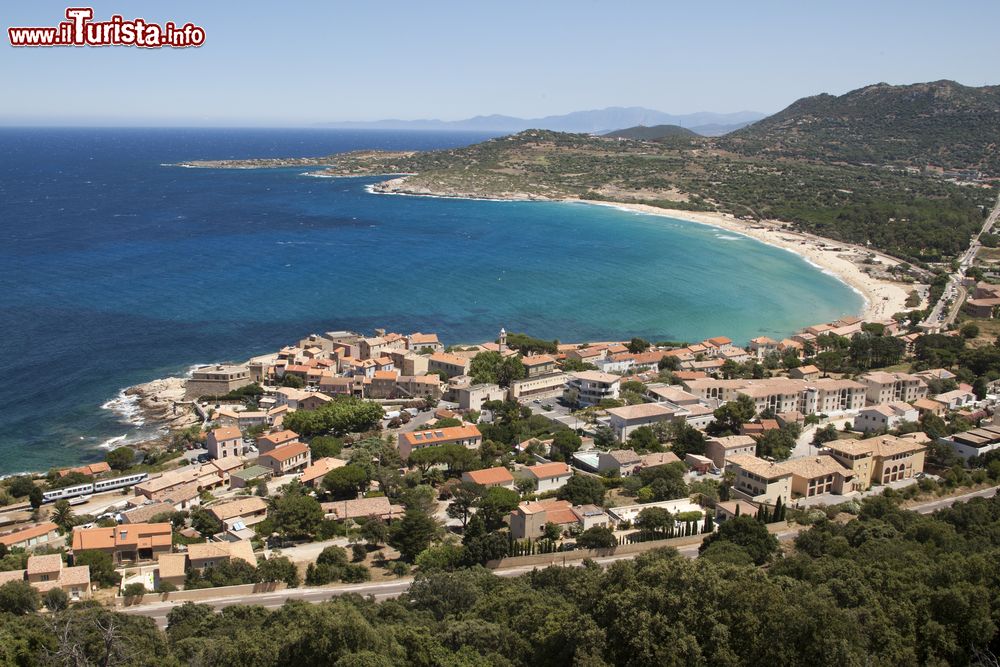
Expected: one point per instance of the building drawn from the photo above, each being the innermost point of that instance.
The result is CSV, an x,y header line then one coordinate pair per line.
x,y
885,417
216,380
668,393
91,469
975,442
763,346
378,346
314,474
271,441
809,372
882,459
127,542
720,449
825,395
466,435
473,397
248,510
549,476
46,572
31,537
592,516
655,459
287,458
170,568
591,387
620,461
957,399
629,513
539,364
242,479
449,364
421,341
209,554
529,518
628,418
759,481
146,513
883,387
362,508
490,477
550,385
418,386
224,442
819,475
730,509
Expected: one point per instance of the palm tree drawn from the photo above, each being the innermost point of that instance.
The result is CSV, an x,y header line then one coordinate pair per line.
x,y
62,515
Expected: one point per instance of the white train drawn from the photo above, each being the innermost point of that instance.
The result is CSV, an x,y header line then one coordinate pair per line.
x,y
94,487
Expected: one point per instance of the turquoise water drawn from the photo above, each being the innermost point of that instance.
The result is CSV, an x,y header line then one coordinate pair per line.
x,y
116,270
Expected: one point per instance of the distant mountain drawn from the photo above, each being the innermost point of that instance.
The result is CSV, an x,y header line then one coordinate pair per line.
x,y
941,123
594,122
654,133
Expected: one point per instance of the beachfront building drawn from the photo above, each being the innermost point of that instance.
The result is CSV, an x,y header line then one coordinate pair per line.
x,y
626,419
882,388
380,346
591,387
882,459
216,380
826,395
762,346
421,342
467,435
450,364
759,481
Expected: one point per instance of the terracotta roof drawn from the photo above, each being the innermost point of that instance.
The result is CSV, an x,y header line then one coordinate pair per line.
x,y
286,451
171,565
548,470
27,533
450,359
537,360
144,513
135,535
642,411
759,467
445,434
734,441
46,563
548,505
226,433
624,455
353,509
882,445
241,549
89,469
816,466
278,438
659,459
320,467
490,476
241,507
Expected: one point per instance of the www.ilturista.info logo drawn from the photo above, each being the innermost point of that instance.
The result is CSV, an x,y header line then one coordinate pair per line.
x,y
80,30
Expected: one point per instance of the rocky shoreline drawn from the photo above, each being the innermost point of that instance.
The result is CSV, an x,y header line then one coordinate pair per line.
x,y
162,402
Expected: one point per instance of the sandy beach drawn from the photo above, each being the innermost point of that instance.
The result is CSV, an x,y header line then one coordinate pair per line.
x,y
883,298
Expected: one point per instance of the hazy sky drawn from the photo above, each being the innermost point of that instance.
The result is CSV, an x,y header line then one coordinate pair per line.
x,y
303,62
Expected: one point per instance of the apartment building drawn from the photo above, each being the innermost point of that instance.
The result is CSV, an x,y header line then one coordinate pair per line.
x,y
882,387
881,459
592,387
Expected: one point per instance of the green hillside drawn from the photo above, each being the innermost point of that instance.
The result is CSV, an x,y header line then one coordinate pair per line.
x,y
941,123
652,133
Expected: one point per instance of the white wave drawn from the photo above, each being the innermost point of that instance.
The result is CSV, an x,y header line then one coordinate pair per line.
x,y
111,442
728,237
126,406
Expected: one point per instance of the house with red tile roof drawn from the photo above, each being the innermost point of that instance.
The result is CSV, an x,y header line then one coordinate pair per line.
x,y
490,477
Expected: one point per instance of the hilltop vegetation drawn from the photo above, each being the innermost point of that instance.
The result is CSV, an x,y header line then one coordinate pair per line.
x,y
654,133
890,588
828,165
942,123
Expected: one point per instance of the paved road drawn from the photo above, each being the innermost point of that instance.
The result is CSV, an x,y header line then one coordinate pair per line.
x,y
946,309
383,590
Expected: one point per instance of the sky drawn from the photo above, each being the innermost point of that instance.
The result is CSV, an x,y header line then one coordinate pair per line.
x,y
301,63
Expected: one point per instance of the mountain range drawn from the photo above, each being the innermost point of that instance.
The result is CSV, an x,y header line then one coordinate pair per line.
x,y
595,121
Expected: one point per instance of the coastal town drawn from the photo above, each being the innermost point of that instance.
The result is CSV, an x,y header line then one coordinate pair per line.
x,y
346,458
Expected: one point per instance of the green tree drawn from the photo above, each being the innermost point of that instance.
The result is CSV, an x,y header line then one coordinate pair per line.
x,y
205,522
120,458
18,598
969,331
464,498
564,443
597,537
747,533
776,443
56,599
346,482
686,439
493,368
36,497
297,515
731,416
495,504
102,567
582,490
324,446
342,415
62,515
824,435
638,345
644,440
413,533
278,568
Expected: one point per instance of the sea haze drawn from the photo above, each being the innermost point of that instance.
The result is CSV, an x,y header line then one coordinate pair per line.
x,y
116,269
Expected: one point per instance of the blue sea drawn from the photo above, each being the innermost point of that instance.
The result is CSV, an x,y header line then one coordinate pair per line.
x,y
116,269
